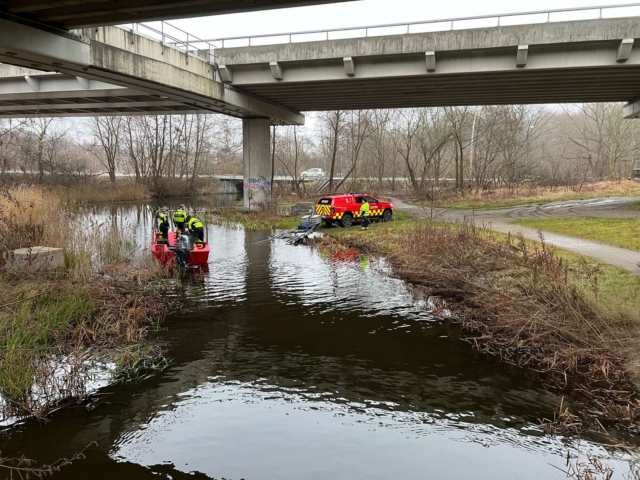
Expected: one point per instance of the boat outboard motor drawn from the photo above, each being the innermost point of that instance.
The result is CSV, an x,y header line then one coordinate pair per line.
x,y
183,248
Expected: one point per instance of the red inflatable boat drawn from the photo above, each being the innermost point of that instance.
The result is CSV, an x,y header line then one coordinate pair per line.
x,y
166,253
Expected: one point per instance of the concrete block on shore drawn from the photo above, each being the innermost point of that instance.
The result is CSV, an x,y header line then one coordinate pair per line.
x,y
287,210
305,207
36,258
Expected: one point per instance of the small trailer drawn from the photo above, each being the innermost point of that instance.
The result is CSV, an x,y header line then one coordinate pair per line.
x,y
300,234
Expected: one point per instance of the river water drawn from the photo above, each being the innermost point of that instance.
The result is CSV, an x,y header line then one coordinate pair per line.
x,y
287,364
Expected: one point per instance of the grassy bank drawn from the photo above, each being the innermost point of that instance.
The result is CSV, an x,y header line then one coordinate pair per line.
x,y
501,198
252,221
620,232
55,323
558,314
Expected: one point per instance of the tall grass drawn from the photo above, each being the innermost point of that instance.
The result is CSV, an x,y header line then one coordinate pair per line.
x,y
49,320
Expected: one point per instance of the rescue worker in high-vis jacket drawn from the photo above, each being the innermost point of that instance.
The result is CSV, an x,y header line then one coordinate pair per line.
x,y
179,219
196,229
163,224
365,211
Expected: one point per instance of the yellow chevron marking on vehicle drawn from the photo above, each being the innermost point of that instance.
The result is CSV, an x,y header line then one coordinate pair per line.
x,y
326,210
323,210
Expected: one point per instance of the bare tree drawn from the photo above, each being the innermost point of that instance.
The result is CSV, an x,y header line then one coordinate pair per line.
x,y
380,141
41,126
606,141
458,118
291,149
227,143
134,139
107,131
432,138
407,125
333,126
358,128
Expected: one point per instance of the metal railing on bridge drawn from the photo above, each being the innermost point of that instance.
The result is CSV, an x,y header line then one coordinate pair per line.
x,y
190,44
169,34
464,23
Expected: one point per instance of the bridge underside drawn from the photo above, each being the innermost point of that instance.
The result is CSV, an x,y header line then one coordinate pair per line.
x,y
482,88
564,62
87,13
46,95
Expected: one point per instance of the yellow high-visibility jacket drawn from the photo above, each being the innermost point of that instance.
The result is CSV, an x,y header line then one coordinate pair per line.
x,y
195,223
179,216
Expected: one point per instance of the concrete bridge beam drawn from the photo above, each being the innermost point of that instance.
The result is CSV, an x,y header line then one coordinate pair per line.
x,y
116,56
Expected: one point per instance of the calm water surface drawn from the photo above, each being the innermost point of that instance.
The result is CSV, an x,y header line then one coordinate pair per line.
x,y
287,364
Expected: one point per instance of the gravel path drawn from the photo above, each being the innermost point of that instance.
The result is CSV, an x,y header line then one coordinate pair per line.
x,y
499,220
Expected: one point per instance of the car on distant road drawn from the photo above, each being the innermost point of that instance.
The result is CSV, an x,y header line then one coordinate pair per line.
x,y
312,174
344,209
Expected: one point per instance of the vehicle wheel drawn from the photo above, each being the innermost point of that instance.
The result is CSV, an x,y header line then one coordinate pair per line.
x,y
328,224
387,215
346,220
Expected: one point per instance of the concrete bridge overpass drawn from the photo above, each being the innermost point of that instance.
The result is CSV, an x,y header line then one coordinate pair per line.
x,y
113,71
560,62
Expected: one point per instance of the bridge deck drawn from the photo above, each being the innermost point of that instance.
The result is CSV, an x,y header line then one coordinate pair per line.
x,y
577,61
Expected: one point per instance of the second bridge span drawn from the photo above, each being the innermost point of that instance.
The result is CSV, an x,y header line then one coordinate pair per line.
x,y
556,62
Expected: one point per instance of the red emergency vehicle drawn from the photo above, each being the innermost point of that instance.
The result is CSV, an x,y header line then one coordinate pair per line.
x,y
345,209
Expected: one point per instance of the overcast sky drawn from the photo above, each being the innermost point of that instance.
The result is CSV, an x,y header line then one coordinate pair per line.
x,y
363,12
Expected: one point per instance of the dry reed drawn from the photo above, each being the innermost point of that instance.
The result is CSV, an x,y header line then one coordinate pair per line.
x,y
53,322
25,468
521,302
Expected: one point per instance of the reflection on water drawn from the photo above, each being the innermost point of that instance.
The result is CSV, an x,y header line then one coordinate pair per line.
x,y
290,365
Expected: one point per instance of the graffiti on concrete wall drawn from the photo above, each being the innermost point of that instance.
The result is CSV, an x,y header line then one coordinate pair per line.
x,y
260,196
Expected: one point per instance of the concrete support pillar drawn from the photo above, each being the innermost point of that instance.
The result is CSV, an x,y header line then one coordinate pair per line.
x,y
257,164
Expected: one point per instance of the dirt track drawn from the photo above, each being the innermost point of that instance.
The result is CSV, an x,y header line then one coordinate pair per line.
x,y
499,220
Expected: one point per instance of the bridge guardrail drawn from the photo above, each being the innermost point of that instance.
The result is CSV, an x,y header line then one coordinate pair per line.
x,y
463,23
192,45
